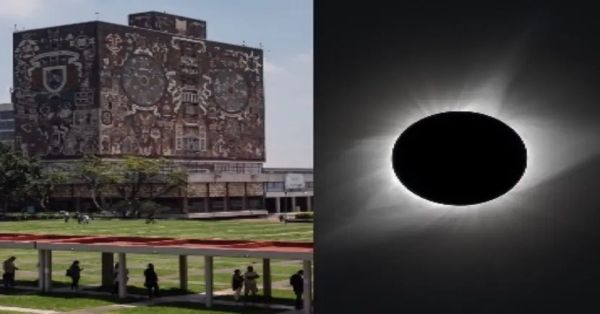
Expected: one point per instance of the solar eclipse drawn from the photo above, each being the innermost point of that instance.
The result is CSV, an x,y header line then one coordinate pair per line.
x,y
459,158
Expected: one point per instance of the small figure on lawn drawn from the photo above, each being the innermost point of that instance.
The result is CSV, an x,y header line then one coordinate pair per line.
x,y
151,282
116,278
297,283
250,285
9,272
66,215
150,219
85,219
75,273
237,282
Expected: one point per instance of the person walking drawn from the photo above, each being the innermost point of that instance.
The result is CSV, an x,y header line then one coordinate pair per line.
x,y
150,219
297,282
250,277
75,273
116,278
9,272
237,282
66,215
151,282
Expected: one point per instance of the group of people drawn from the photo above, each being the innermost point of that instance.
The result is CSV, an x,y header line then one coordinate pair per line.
x,y
150,282
248,282
81,218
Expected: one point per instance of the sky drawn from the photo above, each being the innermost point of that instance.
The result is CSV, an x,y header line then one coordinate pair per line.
x,y
284,29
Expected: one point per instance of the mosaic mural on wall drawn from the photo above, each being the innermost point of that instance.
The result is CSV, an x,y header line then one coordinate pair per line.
x,y
169,23
164,95
55,90
153,94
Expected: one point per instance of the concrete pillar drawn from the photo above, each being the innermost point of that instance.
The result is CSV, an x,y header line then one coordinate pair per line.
x,y
308,203
48,271
208,280
293,203
245,197
307,287
225,203
41,269
267,277
206,204
78,203
184,205
107,269
278,204
122,276
183,272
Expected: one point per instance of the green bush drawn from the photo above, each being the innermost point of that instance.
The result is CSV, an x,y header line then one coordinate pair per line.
x,y
305,215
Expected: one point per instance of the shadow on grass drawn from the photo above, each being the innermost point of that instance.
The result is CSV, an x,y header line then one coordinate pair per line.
x,y
136,293
258,299
199,306
143,291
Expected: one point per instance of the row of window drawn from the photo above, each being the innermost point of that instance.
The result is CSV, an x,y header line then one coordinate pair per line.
x,y
238,168
280,186
7,115
7,125
7,136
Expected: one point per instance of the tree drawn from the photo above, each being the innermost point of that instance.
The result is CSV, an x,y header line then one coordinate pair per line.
x,y
129,176
43,183
97,175
16,173
138,172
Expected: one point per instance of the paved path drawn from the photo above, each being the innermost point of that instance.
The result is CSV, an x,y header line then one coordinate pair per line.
x,y
25,310
188,298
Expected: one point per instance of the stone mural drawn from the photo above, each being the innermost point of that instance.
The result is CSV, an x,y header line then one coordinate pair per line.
x,y
55,88
169,23
116,90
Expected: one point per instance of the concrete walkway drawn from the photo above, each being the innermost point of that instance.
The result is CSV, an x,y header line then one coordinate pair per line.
x,y
188,298
25,310
144,301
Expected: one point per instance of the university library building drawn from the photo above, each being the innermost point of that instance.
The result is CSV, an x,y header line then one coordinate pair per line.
x,y
156,88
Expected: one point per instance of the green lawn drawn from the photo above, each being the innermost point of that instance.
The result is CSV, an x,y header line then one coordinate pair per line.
x,y
56,301
166,265
252,229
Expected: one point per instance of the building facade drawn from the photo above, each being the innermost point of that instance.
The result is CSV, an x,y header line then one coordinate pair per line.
x,y
154,88
289,189
7,124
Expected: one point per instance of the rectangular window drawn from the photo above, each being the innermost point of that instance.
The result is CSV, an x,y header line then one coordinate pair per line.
x,y
7,125
7,136
7,115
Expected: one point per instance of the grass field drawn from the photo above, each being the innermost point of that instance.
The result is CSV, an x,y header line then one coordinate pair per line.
x,y
166,265
254,229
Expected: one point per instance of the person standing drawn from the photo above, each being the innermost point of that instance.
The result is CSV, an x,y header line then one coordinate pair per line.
x,y
237,281
151,282
9,272
297,282
116,278
75,273
66,215
250,277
